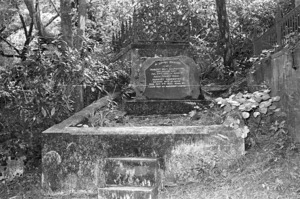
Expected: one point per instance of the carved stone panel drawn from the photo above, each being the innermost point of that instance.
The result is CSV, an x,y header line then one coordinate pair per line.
x,y
169,78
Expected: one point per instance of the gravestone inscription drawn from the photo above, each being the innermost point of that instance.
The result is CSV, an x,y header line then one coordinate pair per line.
x,y
169,78
167,74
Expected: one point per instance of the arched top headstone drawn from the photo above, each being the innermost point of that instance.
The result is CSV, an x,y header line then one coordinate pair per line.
x,y
168,78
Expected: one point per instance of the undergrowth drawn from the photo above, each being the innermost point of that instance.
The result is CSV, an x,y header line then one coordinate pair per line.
x,y
270,169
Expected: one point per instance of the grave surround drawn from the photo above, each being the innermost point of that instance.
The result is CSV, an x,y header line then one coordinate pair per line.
x,y
74,158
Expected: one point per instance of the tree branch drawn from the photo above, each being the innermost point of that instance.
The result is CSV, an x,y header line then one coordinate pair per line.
x,y
24,25
30,28
27,41
5,55
51,20
17,50
2,29
22,21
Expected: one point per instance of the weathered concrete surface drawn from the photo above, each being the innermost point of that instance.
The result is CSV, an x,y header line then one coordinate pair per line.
x,y
161,107
128,193
131,171
281,72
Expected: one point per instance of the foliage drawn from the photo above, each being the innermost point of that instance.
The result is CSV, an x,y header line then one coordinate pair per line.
x,y
34,95
245,16
256,105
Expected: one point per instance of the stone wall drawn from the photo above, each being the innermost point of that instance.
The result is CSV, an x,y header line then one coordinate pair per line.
x,y
281,72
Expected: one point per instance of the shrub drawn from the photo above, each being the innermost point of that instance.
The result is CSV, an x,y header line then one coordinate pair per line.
x,y
33,95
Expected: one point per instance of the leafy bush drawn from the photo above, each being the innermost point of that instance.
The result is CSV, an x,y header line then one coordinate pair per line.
x,y
33,95
248,105
257,103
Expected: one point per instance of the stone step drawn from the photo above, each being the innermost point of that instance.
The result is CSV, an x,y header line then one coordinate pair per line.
x,y
125,192
131,171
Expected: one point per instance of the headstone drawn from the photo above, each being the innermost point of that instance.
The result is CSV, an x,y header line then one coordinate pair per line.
x,y
168,78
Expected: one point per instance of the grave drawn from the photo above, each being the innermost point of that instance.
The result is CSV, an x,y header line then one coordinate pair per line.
x,y
132,161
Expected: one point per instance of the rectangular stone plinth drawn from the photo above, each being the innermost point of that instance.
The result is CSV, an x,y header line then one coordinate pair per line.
x,y
127,193
131,171
161,107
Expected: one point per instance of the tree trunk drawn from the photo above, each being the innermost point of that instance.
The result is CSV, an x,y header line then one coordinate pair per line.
x,y
66,23
224,37
34,11
81,23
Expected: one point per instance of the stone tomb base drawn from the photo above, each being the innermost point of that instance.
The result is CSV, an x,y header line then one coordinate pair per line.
x,y
162,107
74,159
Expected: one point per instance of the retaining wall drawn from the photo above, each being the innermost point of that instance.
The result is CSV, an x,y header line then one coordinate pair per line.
x,y
281,72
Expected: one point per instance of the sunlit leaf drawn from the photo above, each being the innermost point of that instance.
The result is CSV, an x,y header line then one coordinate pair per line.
x,y
52,111
255,114
44,112
265,96
219,100
227,108
265,104
245,131
242,107
263,110
276,98
257,99
234,103
245,115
